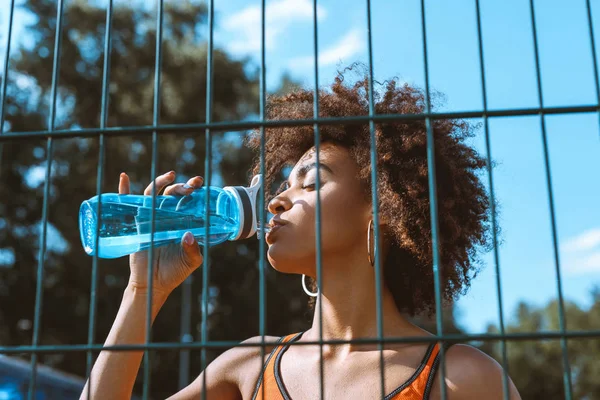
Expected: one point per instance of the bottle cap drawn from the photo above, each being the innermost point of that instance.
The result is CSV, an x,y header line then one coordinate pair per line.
x,y
246,200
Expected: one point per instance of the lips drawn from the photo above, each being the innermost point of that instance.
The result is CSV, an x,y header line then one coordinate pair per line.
x,y
275,224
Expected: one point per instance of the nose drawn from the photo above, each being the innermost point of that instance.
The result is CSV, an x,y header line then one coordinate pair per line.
x,y
279,204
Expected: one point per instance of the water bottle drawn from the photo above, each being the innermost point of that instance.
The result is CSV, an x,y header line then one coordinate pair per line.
x,y
125,219
9,390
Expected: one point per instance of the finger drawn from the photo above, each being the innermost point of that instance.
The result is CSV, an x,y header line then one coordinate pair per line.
x,y
160,183
184,189
124,183
191,256
196,182
181,189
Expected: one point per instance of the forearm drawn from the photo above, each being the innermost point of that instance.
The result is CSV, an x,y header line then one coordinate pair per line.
x,y
114,372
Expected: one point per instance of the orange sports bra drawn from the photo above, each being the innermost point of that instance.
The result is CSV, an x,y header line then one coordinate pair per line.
x,y
270,386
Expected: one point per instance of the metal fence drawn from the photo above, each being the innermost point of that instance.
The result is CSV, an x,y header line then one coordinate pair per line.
x,y
102,132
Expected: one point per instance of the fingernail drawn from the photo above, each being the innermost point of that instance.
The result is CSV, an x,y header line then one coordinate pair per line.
x,y
186,186
188,238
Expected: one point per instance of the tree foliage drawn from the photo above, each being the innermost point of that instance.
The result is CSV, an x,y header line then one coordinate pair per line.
x,y
234,307
536,365
234,273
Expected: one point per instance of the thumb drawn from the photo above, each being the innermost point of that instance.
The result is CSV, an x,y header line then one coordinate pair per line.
x,y
191,255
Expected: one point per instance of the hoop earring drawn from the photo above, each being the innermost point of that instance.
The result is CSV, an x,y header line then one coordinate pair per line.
x,y
308,292
371,258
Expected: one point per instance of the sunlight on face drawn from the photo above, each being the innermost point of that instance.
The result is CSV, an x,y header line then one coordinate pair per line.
x,y
345,213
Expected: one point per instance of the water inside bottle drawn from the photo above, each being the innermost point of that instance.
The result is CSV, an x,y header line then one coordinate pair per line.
x,y
126,228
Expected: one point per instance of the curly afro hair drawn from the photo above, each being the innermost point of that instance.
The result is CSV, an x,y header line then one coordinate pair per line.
x,y
402,184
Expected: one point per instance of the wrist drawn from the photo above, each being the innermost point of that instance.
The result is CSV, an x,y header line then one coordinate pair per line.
x,y
143,289
137,293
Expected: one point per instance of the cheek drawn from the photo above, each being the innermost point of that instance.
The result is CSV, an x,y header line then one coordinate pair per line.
x,y
342,220
294,245
341,228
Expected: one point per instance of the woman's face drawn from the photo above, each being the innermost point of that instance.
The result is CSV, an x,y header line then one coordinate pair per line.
x,y
345,213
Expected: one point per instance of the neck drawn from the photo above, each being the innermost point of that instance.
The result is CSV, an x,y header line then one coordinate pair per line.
x,y
347,306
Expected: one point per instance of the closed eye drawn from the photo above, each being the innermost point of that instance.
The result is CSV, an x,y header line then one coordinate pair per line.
x,y
282,188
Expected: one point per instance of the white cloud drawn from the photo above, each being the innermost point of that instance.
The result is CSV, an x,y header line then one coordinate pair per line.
x,y
584,241
590,263
347,47
279,15
582,253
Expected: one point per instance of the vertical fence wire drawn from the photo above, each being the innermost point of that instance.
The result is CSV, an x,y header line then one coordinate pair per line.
x,y
185,332
375,201
261,201
319,257
207,179
433,210
593,49
492,199
11,12
262,216
39,289
99,181
153,171
561,311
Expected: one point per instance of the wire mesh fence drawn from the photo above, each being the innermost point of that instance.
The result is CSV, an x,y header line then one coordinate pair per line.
x,y
151,132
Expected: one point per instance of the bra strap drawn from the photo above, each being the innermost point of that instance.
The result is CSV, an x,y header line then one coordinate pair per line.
x,y
268,370
434,368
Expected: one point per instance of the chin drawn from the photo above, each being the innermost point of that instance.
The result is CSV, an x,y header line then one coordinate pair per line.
x,y
287,262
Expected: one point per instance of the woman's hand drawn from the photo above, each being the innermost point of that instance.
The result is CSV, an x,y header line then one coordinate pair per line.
x,y
172,263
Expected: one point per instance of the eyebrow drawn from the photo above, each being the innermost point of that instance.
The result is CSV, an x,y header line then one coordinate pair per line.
x,y
302,171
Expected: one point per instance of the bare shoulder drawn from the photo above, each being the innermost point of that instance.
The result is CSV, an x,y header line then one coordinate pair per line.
x,y
472,374
244,362
252,349
467,364
232,374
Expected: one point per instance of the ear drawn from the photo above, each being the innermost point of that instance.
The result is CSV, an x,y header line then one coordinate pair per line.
x,y
383,222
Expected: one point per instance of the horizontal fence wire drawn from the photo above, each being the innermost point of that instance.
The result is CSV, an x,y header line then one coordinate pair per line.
x,y
210,127
450,338
246,125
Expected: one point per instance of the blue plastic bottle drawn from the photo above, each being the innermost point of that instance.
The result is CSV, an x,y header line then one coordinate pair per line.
x,y
125,221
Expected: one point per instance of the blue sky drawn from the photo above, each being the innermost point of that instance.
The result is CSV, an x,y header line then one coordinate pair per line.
x,y
526,256
527,268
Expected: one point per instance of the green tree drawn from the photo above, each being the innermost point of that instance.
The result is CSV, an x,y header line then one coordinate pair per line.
x,y
536,365
234,275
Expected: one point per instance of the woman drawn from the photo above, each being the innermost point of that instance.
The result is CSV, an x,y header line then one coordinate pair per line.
x,y
348,290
